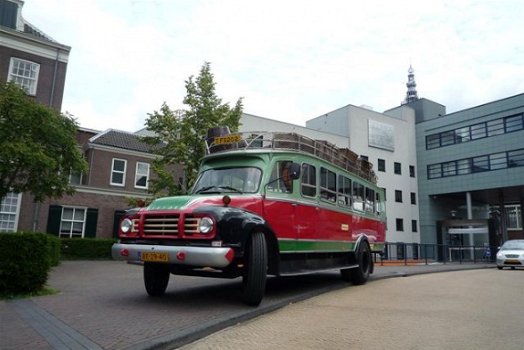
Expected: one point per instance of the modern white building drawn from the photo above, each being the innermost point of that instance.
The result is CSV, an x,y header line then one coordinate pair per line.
x,y
387,140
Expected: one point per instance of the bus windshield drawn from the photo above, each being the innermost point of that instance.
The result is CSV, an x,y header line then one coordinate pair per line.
x,y
236,180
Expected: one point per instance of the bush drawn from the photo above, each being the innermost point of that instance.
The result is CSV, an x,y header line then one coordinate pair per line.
x,y
86,248
24,262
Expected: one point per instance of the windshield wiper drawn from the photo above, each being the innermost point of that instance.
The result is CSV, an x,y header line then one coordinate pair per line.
x,y
204,189
207,188
230,188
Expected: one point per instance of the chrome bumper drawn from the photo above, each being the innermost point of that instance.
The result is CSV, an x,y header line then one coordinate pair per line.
x,y
193,256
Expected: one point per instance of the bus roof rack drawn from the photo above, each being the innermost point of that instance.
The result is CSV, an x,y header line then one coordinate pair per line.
x,y
221,140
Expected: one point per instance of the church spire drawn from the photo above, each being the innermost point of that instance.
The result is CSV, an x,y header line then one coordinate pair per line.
x,y
411,94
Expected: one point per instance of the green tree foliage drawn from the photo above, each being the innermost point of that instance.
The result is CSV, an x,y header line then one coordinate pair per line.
x,y
182,132
38,148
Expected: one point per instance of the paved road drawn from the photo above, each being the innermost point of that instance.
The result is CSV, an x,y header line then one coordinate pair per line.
x,y
103,304
476,309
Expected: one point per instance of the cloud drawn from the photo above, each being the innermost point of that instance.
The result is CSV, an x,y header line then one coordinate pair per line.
x,y
290,61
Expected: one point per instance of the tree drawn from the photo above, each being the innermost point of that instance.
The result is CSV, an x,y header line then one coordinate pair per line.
x,y
38,148
182,132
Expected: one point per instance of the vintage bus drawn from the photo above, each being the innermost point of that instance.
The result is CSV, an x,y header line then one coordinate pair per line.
x,y
264,204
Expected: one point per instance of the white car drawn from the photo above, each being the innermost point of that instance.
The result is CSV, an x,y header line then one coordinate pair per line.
x,y
511,254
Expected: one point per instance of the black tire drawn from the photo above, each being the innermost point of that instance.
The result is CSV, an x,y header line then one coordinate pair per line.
x,y
255,274
499,267
156,278
360,274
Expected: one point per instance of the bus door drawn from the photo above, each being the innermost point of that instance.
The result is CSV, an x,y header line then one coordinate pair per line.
x,y
307,209
280,204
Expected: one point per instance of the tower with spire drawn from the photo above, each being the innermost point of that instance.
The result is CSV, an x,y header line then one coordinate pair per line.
x,y
411,94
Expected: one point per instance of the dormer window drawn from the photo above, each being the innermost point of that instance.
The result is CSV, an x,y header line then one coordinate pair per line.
x,y
25,74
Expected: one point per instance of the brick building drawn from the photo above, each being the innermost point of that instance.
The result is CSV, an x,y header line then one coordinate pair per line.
x,y
119,162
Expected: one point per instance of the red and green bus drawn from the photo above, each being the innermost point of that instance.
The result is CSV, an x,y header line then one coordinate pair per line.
x,y
264,204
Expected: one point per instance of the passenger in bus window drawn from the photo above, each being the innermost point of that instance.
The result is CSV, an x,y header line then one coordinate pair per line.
x,y
281,171
287,181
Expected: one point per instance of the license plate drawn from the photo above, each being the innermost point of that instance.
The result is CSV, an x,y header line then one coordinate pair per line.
x,y
512,262
154,257
221,140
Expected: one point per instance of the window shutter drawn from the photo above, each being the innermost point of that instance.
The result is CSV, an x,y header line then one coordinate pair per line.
x,y
91,221
53,219
8,11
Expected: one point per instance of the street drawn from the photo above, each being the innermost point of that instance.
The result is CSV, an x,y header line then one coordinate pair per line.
x,y
103,305
476,309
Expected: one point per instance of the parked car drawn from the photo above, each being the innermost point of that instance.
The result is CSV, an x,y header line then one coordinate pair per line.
x,y
511,254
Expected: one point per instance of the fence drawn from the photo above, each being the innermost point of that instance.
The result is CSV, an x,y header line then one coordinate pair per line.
x,y
409,253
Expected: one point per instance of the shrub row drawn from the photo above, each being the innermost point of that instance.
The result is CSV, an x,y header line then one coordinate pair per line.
x,y
86,248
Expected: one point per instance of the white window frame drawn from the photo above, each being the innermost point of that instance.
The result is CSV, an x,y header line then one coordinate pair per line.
x,y
28,82
118,172
139,175
72,221
4,224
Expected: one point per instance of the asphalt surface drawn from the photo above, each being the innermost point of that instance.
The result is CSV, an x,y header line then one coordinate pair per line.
x,y
103,305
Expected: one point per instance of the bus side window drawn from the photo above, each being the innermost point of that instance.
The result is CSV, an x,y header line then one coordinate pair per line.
x,y
309,180
328,185
370,200
344,191
358,196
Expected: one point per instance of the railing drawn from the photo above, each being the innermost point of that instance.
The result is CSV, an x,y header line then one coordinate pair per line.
x,y
419,254
219,139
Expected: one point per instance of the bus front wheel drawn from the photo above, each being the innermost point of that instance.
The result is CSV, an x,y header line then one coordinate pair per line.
x,y
156,278
255,274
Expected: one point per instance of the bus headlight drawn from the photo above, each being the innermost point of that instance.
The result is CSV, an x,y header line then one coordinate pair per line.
x,y
126,225
205,225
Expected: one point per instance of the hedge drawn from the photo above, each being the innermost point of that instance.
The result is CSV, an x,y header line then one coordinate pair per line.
x,y
25,261
86,248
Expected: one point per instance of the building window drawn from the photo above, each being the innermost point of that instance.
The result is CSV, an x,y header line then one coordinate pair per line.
x,y
399,224
72,223
118,172
414,226
412,171
398,168
9,210
142,175
513,217
384,193
515,158
381,165
413,198
495,127
398,196
478,131
75,178
433,141
363,157
24,74
513,123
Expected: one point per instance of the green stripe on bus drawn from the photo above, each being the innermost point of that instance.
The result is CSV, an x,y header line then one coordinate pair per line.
x,y
296,246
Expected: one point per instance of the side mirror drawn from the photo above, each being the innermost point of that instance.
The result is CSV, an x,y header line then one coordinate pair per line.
x,y
294,171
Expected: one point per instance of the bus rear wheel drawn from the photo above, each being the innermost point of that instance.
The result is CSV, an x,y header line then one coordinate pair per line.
x,y
156,278
255,274
359,274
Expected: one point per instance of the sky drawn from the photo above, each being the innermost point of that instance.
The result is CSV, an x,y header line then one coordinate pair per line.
x,y
289,60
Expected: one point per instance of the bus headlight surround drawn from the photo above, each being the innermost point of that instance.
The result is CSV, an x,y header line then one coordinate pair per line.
x,y
205,225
